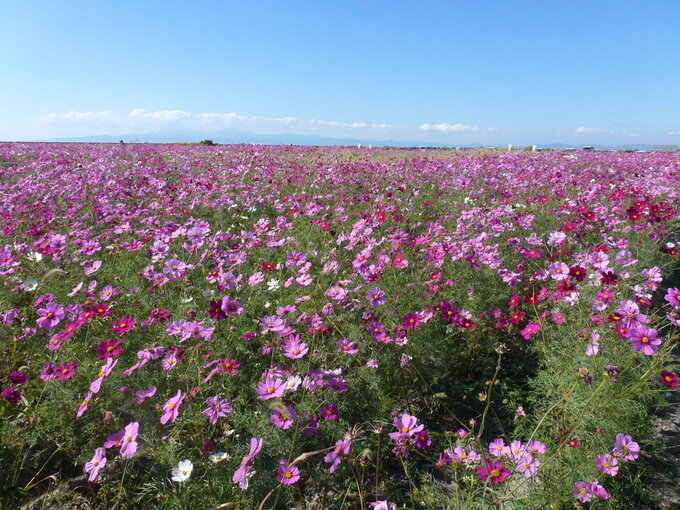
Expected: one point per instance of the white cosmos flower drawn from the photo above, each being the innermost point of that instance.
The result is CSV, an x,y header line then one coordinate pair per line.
x,y
273,285
182,471
218,457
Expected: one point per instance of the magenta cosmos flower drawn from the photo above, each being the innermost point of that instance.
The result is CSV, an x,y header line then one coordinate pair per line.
x,y
17,377
124,325
494,472
669,379
11,395
66,370
109,348
171,408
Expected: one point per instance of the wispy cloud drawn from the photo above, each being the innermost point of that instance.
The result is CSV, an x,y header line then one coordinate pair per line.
x,y
147,120
449,128
144,121
674,132
589,130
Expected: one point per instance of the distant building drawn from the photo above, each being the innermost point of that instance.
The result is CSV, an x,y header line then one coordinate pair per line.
x,y
587,148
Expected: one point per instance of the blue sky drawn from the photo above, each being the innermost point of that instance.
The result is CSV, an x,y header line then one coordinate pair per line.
x,y
454,72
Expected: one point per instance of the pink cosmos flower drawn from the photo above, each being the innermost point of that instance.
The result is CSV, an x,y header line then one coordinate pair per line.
x,y
498,448
527,465
530,330
283,418
598,491
337,293
240,476
376,297
108,292
345,346
382,505
294,348
142,395
271,387
287,474
558,271
585,492
50,316
217,408
272,323
411,321
407,425
342,447
645,340
128,442
309,424
169,361
103,373
48,372
171,408
329,412
581,492
673,297
231,306
92,267
95,465
535,447
607,464
625,447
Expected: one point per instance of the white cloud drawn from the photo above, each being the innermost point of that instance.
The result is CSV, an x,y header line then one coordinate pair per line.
x,y
674,132
492,130
159,116
588,130
76,116
448,128
142,120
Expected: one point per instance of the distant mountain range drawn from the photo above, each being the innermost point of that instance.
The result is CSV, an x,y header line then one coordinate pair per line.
x,y
233,136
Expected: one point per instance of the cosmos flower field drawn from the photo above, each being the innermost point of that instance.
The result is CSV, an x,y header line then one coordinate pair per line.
x,y
185,326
